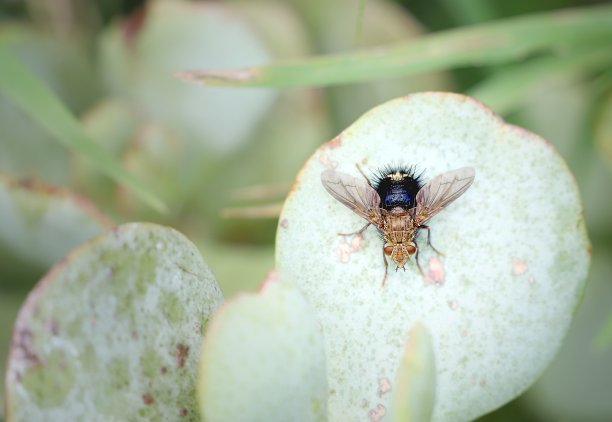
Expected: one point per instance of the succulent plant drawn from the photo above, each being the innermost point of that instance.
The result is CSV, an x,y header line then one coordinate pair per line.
x,y
495,307
130,323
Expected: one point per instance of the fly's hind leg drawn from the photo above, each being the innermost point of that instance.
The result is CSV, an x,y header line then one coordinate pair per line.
x,y
386,268
418,264
358,232
423,226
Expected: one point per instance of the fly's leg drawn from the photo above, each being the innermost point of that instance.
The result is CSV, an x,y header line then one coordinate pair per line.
x,y
422,226
416,259
358,232
386,268
363,174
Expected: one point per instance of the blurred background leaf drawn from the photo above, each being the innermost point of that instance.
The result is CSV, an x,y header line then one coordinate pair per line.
x,y
487,44
35,99
222,159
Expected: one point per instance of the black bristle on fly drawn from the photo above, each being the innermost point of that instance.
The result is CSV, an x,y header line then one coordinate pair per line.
x,y
397,186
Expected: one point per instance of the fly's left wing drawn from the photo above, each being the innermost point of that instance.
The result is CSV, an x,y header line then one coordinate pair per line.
x,y
356,194
440,192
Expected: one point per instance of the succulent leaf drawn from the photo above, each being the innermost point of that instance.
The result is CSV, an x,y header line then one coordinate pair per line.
x,y
113,331
497,303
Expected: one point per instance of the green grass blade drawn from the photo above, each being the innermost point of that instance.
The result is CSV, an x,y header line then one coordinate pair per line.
x,y
486,44
603,341
505,90
18,83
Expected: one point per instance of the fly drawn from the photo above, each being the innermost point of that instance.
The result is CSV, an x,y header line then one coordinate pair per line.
x,y
405,207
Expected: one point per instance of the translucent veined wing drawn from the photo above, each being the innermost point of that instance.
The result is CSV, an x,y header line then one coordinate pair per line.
x,y
356,194
441,191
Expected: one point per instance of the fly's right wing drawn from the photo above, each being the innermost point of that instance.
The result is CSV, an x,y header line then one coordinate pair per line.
x,y
356,194
440,192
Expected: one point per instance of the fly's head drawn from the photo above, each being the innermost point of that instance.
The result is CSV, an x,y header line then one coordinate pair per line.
x,y
400,252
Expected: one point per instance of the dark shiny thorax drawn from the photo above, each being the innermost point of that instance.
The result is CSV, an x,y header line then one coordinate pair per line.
x,y
397,187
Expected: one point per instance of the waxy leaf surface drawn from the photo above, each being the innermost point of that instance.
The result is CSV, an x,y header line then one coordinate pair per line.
x,y
497,303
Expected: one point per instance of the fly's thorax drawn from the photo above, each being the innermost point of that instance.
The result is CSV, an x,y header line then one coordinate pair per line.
x,y
397,186
398,225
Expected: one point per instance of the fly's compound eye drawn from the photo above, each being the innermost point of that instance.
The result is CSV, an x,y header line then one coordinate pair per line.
x,y
387,250
411,248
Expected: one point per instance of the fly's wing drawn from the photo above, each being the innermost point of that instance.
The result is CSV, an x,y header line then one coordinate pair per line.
x,y
441,191
356,194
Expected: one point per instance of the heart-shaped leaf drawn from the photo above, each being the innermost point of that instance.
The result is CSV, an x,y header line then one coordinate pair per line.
x,y
263,359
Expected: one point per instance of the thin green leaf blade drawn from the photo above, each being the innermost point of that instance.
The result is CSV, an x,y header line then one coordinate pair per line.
x,y
18,83
505,90
486,44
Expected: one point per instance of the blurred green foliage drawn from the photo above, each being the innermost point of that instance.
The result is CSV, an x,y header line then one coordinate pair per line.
x,y
211,152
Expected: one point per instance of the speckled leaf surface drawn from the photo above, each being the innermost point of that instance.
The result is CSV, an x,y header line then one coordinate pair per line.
x,y
39,223
263,359
500,300
113,331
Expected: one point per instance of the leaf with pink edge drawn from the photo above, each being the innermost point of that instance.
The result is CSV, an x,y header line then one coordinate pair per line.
x,y
113,331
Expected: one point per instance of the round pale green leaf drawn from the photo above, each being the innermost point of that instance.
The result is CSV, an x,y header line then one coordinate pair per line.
x,y
263,359
497,303
113,331
39,224
140,57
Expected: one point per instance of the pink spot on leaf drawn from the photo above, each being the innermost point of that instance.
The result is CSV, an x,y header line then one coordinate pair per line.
x,y
334,143
346,249
147,398
384,386
327,162
377,413
271,278
182,352
284,223
452,304
435,272
52,327
518,266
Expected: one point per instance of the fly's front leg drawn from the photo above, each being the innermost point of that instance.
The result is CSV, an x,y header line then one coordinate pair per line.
x,y
357,232
363,174
423,226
